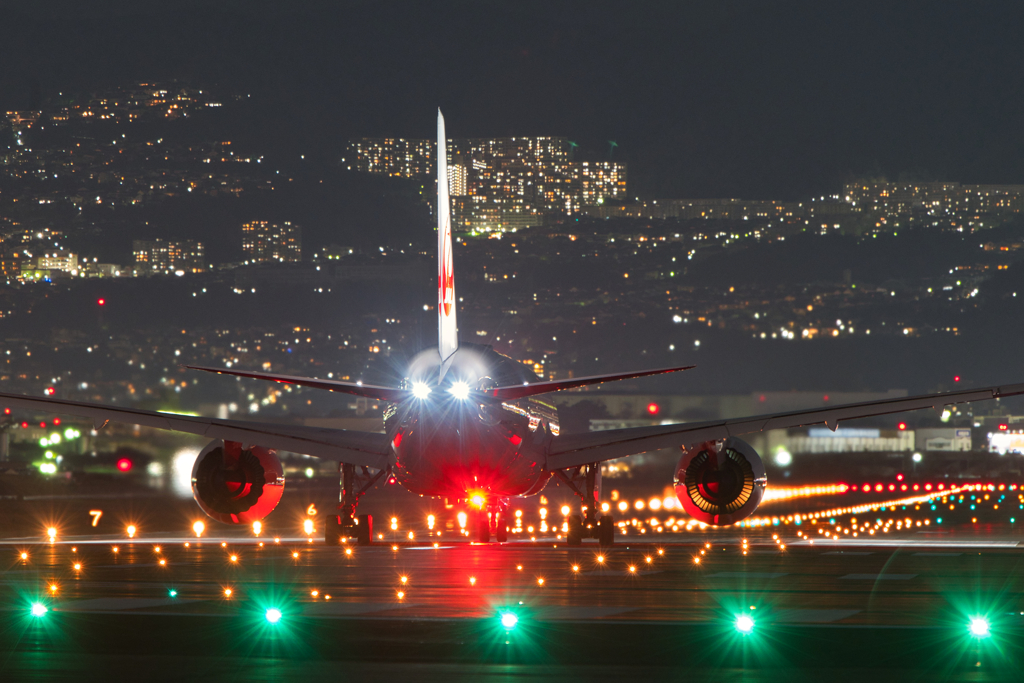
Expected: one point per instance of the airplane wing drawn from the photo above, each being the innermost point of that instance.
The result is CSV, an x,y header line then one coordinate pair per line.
x,y
513,392
357,448
367,390
571,450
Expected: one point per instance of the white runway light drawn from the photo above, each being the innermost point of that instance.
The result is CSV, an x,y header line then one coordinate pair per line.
x,y
459,390
420,390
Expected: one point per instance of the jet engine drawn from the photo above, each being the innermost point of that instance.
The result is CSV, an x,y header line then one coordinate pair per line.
x,y
236,484
720,482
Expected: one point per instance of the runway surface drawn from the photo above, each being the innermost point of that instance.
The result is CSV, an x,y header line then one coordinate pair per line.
x,y
901,604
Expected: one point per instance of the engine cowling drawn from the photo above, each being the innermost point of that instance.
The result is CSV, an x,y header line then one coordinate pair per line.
x,y
235,484
720,482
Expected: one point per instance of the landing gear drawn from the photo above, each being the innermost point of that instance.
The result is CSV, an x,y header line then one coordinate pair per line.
x,y
501,526
575,535
332,530
606,531
346,524
364,530
482,527
585,482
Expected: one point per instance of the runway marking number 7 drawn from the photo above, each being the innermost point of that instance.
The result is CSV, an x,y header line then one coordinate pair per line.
x,y
96,514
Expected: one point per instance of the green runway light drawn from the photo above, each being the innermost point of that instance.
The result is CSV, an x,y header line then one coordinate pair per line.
x,y
744,624
273,615
509,620
979,627
39,609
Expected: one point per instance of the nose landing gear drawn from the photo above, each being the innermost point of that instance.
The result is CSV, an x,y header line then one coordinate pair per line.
x,y
492,519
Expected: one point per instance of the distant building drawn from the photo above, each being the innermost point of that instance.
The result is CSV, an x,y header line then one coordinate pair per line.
x,y
264,242
390,156
168,257
20,120
937,203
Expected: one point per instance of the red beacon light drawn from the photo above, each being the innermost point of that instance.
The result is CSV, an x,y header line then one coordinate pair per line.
x,y
1003,427
956,378
124,465
902,426
101,302
56,421
653,408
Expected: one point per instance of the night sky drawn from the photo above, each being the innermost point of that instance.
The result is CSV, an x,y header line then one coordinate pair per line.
x,y
756,100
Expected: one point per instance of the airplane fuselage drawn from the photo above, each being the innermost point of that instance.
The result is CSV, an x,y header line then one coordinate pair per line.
x,y
460,447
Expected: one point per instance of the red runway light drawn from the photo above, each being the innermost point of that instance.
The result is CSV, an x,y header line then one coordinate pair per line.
x,y
24,425
867,487
7,411
653,408
56,421
901,426
43,425
124,464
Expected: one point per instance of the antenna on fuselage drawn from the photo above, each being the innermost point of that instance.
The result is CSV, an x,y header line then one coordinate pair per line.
x,y
447,327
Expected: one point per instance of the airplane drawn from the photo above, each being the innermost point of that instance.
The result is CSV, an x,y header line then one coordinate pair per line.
x,y
468,424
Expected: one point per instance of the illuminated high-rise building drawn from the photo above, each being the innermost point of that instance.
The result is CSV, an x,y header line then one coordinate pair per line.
x,y
499,183
168,257
390,156
264,242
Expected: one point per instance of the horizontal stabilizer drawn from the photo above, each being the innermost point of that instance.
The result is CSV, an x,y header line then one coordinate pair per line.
x,y
356,389
511,393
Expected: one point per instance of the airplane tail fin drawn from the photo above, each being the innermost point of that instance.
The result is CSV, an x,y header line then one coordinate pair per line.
x,y
447,327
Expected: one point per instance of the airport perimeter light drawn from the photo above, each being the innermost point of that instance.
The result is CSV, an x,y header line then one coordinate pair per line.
x,y
744,624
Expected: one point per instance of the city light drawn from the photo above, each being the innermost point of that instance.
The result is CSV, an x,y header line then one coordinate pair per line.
x,y
198,527
273,615
744,624
257,527
130,530
307,526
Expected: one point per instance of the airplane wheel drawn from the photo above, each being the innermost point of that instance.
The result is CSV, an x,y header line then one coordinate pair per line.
x,y
332,530
501,528
483,528
364,530
606,531
575,536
